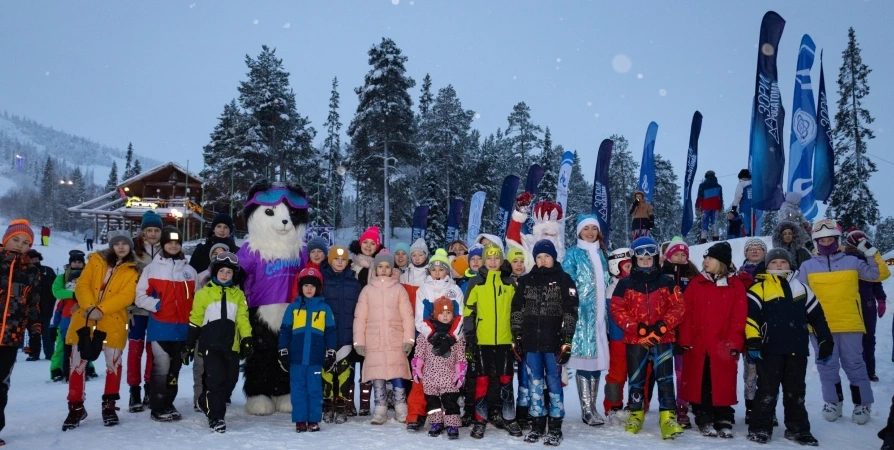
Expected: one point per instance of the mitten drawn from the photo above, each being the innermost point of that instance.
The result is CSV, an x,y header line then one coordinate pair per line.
x,y
825,352
245,348
360,349
460,376
284,360
407,347
187,355
881,308
866,247
417,364
523,202
563,354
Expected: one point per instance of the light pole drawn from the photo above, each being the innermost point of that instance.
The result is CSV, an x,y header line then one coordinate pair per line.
x,y
385,159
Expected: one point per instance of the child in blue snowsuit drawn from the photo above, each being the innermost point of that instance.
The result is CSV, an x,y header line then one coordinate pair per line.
x,y
306,343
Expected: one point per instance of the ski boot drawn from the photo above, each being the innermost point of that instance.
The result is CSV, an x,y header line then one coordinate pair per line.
x,y
478,429
76,413
328,411
313,427
109,416
365,393
554,436
635,421
512,427
801,437
136,403
218,425
761,437
832,411
436,429
538,429
683,417
417,424
861,414
300,427
521,417
452,433
669,426
341,415
724,429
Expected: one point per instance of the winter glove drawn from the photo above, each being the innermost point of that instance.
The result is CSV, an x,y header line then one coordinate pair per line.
x,y
753,356
417,364
192,336
284,360
407,347
825,352
866,247
360,349
881,308
649,336
460,376
329,360
93,313
245,348
517,349
563,354
523,202
187,355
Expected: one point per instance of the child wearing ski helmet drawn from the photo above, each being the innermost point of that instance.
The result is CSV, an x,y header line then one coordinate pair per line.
x,y
204,276
384,305
544,319
341,291
780,308
586,264
219,316
834,277
306,344
873,297
712,337
439,366
648,307
619,267
678,266
642,215
709,200
486,325
198,367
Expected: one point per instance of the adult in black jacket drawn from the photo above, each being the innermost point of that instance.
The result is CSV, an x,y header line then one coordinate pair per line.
x,y
47,306
544,316
341,290
221,233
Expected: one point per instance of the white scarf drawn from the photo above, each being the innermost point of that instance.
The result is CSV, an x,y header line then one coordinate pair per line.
x,y
593,250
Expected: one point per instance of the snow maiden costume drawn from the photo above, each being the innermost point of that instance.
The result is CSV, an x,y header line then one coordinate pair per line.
x,y
271,257
586,264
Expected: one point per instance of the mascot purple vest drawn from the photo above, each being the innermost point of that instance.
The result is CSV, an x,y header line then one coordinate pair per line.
x,y
273,254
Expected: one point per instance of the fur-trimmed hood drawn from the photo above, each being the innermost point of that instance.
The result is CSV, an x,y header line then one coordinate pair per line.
x,y
798,241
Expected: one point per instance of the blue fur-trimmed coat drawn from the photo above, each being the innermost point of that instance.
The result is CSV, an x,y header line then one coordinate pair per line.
x,y
588,339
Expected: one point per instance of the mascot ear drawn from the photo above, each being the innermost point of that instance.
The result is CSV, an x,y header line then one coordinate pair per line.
x,y
259,186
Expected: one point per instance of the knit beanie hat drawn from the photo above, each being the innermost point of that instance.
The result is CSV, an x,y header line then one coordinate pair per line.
x,y
219,218
439,259
419,246
514,253
476,250
371,233
337,251
214,247
75,255
402,247
18,226
677,244
170,234
722,252
116,236
545,246
744,174
778,253
755,242
318,243
383,256
151,219
441,304
492,250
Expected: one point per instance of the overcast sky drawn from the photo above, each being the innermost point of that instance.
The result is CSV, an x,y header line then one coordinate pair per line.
x,y
159,73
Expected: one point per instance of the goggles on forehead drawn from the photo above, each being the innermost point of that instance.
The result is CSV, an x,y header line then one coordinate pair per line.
x,y
276,196
226,257
646,250
825,225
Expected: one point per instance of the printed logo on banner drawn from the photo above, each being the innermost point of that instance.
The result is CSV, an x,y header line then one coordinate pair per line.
x,y
805,127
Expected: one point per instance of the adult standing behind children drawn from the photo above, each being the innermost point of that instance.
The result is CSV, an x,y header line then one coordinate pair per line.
x,y
221,233
89,237
47,302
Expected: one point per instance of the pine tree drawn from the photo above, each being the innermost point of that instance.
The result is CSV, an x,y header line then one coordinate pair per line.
x,y
769,223
668,205
852,203
384,120
226,167
425,100
580,196
622,178
549,161
523,137
128,162
884,235
48,185
78,195
112,182
137,168
482,172
332,148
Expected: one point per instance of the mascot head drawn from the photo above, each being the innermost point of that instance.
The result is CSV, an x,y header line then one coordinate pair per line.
x,y
276,216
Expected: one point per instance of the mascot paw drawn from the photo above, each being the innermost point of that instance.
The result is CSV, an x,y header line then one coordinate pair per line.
x,y
259,405
283,403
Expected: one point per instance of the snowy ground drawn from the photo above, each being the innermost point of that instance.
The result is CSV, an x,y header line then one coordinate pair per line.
x,y
37,407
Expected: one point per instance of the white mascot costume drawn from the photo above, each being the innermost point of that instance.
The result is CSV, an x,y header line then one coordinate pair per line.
x,y
272,256
549,223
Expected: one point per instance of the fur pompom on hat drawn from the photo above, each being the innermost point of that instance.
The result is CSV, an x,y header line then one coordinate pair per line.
x,y
439,259
373,234
383,256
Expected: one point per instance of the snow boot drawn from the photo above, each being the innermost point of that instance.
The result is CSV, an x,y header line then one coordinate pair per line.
x,y
313,427
832,411
802,437
873,378
495,418
749,404
861,414
724,429
300,427
380,415
761,437
436,429
32,358
707,430
683,417
468,417
109,416
389,395
452,433
635,421
538,429
56,375
618,416
91,372
161,415
350,409
218,425
513,428
341,415
175,415
328,411
417,424
521,417
145,395
554,436
76,413
669,426
478,429
365,393
136,402
400,412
